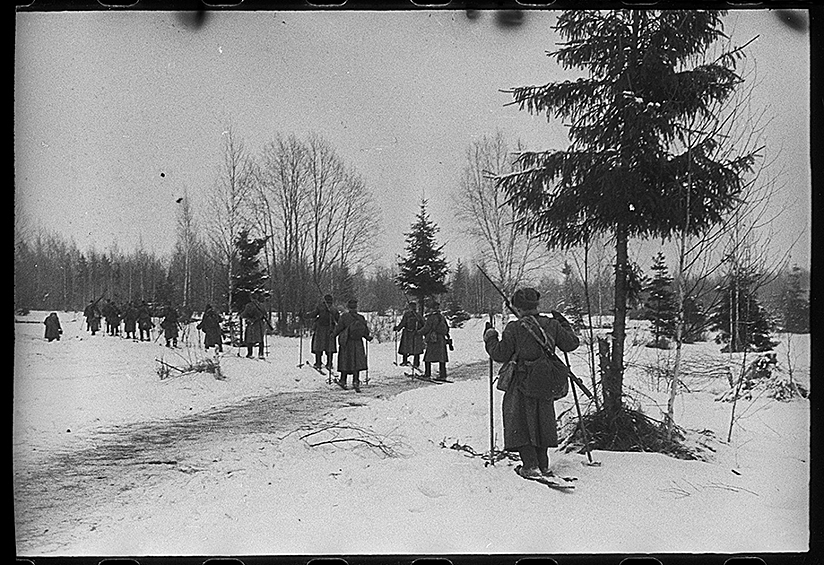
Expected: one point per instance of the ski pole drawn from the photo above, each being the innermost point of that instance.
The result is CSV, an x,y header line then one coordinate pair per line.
x,y
300,352
396,347
366,380
491,405
591,463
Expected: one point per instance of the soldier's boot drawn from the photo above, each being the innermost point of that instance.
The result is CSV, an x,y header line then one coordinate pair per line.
x,y
356,382
441,372
342,380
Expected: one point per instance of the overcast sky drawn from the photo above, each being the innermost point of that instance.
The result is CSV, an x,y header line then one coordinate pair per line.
x,y
117,114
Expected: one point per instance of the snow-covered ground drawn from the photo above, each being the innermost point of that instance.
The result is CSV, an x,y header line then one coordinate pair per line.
x,y
302,492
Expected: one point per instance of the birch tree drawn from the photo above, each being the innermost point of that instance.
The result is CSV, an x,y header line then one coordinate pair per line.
x,y
514,259
227,205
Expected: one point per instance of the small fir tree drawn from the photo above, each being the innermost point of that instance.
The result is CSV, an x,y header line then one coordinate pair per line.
x,y
573,310
660,307
695,321
249,276
454,306
424,269
796,304
741,321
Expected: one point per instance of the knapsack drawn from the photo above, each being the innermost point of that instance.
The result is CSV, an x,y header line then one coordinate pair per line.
x,y
547,377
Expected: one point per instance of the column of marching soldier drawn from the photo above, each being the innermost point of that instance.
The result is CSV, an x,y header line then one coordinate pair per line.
x,y
528,342
343,333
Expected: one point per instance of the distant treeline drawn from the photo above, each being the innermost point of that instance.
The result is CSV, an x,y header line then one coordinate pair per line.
x,y
51,273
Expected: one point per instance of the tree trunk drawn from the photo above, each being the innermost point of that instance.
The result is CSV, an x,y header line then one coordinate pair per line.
x,y
613,381
589,323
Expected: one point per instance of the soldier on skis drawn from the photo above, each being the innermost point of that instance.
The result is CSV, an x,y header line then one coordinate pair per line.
x,y
325,317
411,343
130,320
435,332
53,329
92,314
144,321
255,317
210,326
112,317
170,325
351,330
528,410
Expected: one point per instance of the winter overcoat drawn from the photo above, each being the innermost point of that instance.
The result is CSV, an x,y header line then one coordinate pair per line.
x,y
325,320
210,326
53,329
255,318
169,323
112,314
528,420
411,343
351,330
130,319
144,318
92,314
435,332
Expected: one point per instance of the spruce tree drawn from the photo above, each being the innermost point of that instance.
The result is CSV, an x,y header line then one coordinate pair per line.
x,y
249,276
796,304
695,321
644,83
742,323
572,310
455,312
424,269
660,307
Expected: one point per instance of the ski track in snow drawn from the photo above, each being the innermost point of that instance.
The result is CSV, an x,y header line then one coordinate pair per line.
x,y
109,460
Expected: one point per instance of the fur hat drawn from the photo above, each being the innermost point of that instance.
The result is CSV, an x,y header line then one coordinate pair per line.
x,y
352,303
526,298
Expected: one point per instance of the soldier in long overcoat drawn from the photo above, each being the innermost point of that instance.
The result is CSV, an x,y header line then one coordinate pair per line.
x,y
411,343
53,329
325,318
130,320
529,421
92,314
112,316
435,332
170,325
144,321
350,332
255,317
210,326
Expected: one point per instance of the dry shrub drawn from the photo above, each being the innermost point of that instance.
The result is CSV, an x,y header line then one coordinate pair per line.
x,y
630,430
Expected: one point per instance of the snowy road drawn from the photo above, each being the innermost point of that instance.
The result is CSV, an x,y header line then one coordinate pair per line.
x,y
61,492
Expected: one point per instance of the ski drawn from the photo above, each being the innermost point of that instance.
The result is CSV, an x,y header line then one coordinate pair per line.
x,y
427,379
318,369
560,483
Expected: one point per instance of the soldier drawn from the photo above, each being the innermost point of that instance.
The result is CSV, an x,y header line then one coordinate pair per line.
x,y
144,321
108,312
170,326
255,317
53,329
528,414
351,330
210,325
92,314
411,343
325,318
130,320
435,332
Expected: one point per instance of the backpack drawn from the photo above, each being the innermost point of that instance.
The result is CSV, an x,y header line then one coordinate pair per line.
x,y
358,329
547,377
